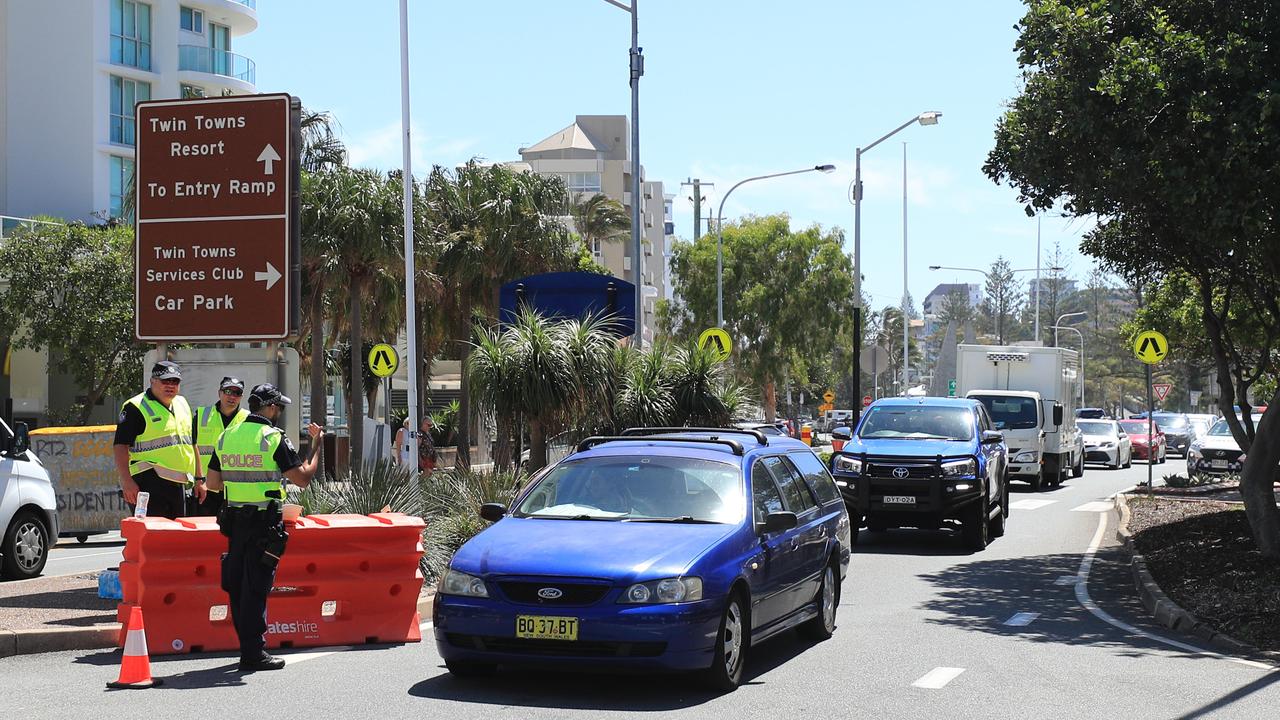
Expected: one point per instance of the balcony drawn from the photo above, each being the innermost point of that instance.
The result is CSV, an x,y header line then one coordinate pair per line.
x,y
197,58
251,4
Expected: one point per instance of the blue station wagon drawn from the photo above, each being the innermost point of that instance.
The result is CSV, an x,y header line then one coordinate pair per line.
x,y
661,549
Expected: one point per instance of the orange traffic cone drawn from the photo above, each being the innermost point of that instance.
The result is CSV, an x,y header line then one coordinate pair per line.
x,y
135,668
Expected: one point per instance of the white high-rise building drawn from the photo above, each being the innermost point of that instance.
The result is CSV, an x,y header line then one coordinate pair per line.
x,y
70,73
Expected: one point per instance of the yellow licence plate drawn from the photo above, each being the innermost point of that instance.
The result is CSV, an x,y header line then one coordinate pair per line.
x,y
544,627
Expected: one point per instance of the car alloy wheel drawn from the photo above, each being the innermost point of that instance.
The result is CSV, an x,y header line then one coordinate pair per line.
x,y
29,545
25,547
732,638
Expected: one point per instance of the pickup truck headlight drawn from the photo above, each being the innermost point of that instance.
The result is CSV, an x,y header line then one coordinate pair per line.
x,y
960,468
667,590
848,464
1026,457
455,582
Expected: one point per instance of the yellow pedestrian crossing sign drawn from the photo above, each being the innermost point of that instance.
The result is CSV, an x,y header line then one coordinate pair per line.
x,y
1150,347
718,340
829,397
383,360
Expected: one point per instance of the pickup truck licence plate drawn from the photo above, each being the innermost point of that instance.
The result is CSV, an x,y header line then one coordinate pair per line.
x,y
899,500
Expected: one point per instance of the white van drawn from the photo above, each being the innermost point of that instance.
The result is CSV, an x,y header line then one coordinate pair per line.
x,y
28,507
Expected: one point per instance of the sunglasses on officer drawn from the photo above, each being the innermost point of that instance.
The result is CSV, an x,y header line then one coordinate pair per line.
x,y
232,391
171,381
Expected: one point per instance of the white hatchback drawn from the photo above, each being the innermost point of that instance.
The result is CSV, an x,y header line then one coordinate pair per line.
x,y
28,507
1106,442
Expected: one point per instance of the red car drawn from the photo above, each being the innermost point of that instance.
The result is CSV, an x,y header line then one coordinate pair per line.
x,y
1142,448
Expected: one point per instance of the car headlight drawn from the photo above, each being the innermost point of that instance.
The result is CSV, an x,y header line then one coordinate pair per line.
x,y
1193,452
960,468
1108,444
1025,457
667,590
847,464
460,583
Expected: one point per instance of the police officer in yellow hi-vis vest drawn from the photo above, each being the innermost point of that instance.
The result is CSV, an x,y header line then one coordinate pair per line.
x,y
251,464
209,422
154,450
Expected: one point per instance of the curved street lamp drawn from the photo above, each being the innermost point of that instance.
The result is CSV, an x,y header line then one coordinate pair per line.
x,y
720,231
925,118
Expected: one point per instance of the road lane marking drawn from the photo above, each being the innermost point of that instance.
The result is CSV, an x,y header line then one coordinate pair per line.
x,y
937,678
1030,504
1097,506
1022,619
426,625
54,558
1082,596
294,658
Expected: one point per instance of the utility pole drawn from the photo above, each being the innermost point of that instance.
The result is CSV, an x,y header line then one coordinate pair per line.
x,y
697,199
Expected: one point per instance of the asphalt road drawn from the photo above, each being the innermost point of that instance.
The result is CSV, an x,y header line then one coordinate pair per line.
x,y
926,630
71,557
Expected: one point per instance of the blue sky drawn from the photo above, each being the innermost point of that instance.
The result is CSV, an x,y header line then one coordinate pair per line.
x,y
731,89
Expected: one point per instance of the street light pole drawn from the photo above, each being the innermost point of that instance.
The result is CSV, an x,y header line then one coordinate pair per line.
x,y
637,257
924,118
1037,278
720,231
906,335
413,362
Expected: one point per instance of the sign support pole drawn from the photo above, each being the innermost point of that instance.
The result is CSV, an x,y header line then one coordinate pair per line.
x,y
1151,423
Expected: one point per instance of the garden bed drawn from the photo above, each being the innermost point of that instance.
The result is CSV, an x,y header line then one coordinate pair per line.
x,y
1202,555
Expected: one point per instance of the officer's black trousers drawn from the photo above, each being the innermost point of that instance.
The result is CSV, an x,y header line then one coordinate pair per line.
x,y
246,579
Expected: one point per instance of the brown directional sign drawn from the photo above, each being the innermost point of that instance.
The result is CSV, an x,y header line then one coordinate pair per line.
x,y
215,186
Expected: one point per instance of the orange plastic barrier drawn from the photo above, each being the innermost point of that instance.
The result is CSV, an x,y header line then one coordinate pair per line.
x,y
343,580
837,444
806,435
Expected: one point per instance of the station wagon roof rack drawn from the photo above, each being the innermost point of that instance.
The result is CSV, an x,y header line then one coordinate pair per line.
x,y
591,442
757,434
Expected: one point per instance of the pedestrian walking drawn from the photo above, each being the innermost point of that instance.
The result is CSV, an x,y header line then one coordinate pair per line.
x,y
252,463
209,422
153,447
426,447
403,449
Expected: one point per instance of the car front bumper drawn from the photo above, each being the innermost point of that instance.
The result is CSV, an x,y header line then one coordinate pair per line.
x,y
671,637
1109,456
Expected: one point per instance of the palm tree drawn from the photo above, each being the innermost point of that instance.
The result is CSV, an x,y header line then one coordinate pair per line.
x,y
358,210
495,224
493,374
600,219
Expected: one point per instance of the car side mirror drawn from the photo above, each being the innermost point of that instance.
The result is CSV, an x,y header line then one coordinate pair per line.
x,y
20,442
493,512
842,433
1057,414
779,521
991,437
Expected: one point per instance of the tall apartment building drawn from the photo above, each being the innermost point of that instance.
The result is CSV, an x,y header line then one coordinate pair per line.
x,y
70,73
593,156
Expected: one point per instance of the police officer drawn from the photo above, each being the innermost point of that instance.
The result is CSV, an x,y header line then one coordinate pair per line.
x,y
252,462
153,447
209,422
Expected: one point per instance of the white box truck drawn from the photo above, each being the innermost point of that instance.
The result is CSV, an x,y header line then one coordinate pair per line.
x,y
1030,392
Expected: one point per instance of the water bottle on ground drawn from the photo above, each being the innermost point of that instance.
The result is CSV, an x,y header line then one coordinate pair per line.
x,y
140,509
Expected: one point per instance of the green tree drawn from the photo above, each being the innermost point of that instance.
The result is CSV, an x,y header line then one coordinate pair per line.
x,y
1159,116
600,219
67,288
358,212
783,291
1002,298
493,225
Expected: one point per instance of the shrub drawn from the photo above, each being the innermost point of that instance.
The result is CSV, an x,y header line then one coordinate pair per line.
x,y
451,508
379,485
1177,481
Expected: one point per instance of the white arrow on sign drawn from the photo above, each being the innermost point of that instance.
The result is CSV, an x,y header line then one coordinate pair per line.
x,y
271,276
268,156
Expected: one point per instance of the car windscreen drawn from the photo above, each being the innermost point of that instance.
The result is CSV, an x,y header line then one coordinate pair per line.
x,y
917,422
1010,413
1170,420
1096,427
636,488
1136,427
